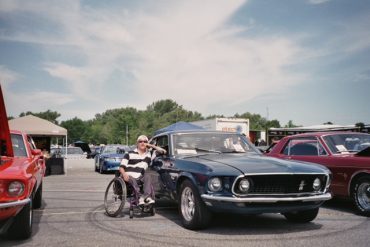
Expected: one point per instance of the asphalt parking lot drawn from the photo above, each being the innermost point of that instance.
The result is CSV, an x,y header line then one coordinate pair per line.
x,y
73,215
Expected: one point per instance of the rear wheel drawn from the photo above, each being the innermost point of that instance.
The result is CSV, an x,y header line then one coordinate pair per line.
x,y
115,197
361,195
193,211
302,216
21,227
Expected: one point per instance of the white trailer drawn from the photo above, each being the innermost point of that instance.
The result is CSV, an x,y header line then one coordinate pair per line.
x,y
240,125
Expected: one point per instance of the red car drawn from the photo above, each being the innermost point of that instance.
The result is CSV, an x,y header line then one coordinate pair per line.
x,y
22,170
346,154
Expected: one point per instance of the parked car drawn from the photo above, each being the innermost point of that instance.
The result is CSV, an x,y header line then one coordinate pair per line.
x,y
72,153
94,151
211,171
346,154
84,146
21,174
109,158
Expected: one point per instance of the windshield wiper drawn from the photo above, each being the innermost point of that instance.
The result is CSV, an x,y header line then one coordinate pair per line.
x,y
233,152
207,150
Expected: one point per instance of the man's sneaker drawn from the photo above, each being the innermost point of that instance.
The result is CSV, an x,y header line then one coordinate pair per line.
x,y
141,200
149,200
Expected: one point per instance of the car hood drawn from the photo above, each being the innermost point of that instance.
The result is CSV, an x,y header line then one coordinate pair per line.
x,y
256,164
6,148
120,156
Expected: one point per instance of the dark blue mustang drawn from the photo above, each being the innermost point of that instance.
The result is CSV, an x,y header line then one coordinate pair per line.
x,y
206,172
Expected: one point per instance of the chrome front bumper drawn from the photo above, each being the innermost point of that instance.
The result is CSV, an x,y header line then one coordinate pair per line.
x,y
323,197
15,203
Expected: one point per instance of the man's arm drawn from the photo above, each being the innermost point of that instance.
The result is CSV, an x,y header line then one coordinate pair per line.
x,y
158,149
124,163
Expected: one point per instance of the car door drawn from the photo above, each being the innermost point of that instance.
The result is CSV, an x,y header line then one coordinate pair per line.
x,y
37,159
161,168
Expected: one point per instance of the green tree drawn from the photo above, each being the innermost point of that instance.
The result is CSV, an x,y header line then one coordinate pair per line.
x,y
75,127
290,124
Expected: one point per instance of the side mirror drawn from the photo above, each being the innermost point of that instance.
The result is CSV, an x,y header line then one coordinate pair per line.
x,y
36,151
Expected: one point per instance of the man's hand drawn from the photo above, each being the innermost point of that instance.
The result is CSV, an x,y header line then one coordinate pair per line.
x,y
125,176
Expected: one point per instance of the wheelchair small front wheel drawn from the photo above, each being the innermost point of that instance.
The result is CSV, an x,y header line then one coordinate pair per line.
x,y
115,197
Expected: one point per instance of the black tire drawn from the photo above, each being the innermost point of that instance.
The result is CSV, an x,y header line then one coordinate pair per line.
x,y
37,200
131,212
101,171
361,195
21,228
115,197
302,216
152,212
194,213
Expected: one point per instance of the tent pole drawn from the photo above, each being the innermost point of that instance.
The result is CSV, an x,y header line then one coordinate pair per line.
x,y
66,157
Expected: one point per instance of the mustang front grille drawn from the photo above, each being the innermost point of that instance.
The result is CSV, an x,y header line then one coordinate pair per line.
x,y
281,184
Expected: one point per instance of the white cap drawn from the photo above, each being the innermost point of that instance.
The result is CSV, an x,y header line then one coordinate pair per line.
x,y
143,138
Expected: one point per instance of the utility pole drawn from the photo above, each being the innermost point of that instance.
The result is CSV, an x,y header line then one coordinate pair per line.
x,y
126,134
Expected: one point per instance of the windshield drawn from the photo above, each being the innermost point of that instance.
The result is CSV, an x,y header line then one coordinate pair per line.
x,y
195,143
113,150
352,142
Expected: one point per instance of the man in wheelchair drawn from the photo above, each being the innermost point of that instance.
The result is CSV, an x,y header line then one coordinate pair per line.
x,y
134,165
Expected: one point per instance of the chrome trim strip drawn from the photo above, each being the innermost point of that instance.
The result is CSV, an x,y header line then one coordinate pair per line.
x,y
285,173
323,197
15,203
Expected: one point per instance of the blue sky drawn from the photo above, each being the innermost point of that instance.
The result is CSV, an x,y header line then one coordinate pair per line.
x,y
302,60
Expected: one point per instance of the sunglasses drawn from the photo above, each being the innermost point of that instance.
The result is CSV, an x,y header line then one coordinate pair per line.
x,y
141,141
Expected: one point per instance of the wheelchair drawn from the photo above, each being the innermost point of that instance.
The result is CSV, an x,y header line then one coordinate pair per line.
x,y
119,192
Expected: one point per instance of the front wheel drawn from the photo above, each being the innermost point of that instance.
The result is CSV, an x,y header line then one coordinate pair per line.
x,y
361,195
115,197
37,201
193,211
302,216
21,228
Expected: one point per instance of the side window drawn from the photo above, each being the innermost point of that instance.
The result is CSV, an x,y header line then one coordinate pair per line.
x,y
304,146
18,146
162,142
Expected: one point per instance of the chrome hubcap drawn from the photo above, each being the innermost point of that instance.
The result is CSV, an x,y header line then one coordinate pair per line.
x,y
187,204
364,195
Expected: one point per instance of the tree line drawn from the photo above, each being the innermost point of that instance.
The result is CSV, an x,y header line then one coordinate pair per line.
x,y
123,125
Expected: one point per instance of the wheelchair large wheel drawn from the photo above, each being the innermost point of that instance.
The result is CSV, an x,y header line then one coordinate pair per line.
x,y
115,197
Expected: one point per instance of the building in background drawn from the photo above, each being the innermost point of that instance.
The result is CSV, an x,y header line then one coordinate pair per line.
x,y
239,125
278,133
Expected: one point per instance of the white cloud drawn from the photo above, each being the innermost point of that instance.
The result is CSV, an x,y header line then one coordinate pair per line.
x,y
7,76
184,50
317,1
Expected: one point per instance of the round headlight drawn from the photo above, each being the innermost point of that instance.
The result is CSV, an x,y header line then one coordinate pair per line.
x,y
316,184
215,184
244,185
15,188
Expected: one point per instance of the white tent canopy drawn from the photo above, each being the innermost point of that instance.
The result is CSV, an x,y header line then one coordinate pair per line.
x,y
36,126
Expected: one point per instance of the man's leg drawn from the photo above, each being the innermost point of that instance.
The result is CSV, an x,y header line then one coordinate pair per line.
x,y
147,187
134,184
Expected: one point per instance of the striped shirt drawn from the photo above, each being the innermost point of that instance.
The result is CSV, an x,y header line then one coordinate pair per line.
x,y
136,164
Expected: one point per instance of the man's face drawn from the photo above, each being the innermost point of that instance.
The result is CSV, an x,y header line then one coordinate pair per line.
x,y
141,144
